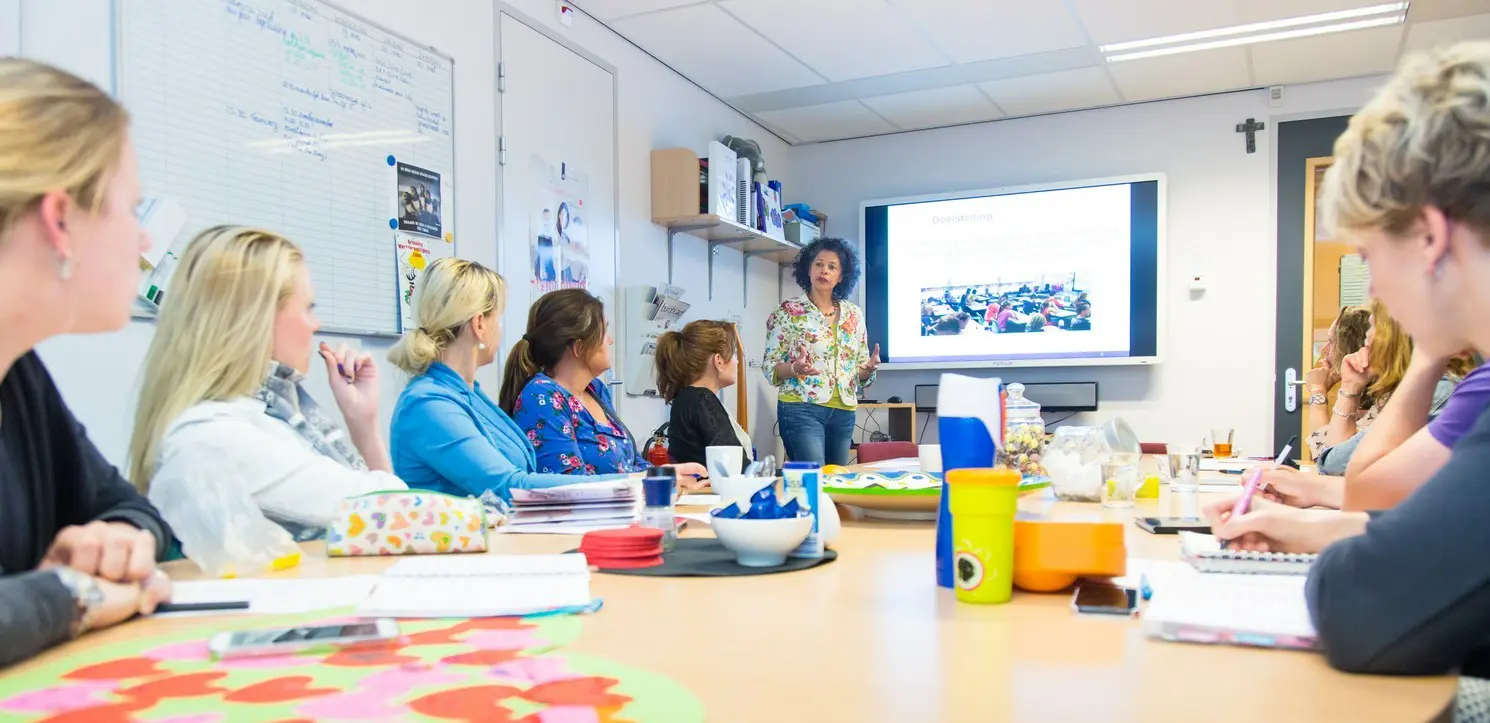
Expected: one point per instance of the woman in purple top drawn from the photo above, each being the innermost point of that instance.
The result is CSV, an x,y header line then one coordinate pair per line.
x,y
1399,452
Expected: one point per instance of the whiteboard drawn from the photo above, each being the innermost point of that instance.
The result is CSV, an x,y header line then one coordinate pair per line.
x,y
298,117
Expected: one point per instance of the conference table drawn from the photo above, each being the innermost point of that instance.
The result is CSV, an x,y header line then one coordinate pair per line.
x,y
869,637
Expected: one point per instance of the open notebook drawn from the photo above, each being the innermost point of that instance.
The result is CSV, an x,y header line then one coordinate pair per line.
x,y
473,586
1205,553
1259,610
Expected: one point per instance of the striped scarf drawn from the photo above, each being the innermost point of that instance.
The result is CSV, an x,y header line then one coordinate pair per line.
x,y
284,399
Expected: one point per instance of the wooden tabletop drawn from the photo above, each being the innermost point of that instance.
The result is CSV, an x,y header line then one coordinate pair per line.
x,y
871,638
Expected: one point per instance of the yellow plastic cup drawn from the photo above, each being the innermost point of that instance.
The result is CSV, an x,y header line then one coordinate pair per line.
x,y
983,503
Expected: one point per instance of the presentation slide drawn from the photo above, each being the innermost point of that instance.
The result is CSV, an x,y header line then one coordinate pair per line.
x,y
1038,275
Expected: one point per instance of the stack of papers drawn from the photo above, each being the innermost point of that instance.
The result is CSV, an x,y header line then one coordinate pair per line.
x,y
470,586
574,509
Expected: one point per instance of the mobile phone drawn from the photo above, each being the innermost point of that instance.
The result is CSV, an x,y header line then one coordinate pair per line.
x,y
279,641
1104,598
1172,525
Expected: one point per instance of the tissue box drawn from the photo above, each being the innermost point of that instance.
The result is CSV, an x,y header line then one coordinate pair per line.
x,y
406,523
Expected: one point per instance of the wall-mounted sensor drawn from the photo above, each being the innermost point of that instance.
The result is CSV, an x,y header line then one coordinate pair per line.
x,y
566,14
1197,284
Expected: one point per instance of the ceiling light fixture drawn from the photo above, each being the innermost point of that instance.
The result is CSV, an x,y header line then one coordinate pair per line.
x,y
1299,27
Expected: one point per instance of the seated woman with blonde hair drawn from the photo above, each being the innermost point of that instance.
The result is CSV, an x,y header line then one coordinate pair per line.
x,y
448,436
222,401
693,365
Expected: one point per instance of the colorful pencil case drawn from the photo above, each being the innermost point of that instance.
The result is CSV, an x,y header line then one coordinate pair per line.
x,y
406,523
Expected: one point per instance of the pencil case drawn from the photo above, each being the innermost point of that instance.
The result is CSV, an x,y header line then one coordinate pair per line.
x,y
406,522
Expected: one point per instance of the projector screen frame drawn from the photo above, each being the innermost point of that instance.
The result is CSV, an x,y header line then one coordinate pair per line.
x,y
1161,260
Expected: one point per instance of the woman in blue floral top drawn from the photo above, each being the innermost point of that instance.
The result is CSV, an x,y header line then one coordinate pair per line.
x,y
552,389
817,355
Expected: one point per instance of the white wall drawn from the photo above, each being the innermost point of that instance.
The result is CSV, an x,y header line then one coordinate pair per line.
x,y
1219,352
99,374
659,109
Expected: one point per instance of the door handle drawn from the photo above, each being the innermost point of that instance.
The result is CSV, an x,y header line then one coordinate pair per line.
x,y
1291,384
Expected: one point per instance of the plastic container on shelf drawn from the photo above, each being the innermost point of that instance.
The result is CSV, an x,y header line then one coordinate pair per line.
x,y
1024,435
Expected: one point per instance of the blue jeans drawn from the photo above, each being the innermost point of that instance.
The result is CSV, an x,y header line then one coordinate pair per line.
x,y
815,433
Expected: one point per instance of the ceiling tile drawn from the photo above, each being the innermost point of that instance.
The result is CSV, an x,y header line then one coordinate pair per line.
x,y
1052,92
969,32
615,9
1326,57
846,119
1170,76
1442,9
841,39
1422,36
714,50
1116,21
935,107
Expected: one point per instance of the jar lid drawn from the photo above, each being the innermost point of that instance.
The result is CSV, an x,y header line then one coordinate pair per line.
x,y
1120,437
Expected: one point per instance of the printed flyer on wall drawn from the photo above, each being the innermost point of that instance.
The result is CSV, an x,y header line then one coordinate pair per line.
x,y
559,246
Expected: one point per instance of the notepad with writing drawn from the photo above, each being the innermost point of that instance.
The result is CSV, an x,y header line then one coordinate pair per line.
x,y
1205,553
1257,610
473,586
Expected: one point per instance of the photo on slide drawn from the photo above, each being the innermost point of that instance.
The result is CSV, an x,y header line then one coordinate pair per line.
x,y
1052,302
418,200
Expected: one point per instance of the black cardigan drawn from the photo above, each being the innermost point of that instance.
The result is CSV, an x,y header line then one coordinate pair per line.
x,y
698,420
51,477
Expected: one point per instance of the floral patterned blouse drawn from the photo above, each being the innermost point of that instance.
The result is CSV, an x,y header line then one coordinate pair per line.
x,y
799,331
566,438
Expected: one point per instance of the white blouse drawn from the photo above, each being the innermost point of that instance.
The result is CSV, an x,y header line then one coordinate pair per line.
x,y
235,443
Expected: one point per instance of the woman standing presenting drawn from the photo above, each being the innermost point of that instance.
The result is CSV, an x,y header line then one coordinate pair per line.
x,y
817,355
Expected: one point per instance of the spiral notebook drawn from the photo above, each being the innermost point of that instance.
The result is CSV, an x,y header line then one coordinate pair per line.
x,y
1205,553
1266,611
476,586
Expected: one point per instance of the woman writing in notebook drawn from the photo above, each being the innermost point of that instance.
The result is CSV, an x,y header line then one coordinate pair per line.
x,y
553,390
448,435
223,403
1407,590
78,544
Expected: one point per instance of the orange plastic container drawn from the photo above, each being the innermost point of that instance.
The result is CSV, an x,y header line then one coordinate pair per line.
x,y
1050,554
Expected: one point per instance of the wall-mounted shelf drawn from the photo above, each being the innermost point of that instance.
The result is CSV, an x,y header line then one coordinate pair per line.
x,y
675,192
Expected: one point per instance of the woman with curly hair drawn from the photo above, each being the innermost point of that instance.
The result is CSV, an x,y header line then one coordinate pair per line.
x,y
817,355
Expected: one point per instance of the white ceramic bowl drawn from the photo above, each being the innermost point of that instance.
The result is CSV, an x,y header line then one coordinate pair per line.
x,y
761,543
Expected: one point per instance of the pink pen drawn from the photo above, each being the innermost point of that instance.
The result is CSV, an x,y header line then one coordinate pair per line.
x,y
1245,501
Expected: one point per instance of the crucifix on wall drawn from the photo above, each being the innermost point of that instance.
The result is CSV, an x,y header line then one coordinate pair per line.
x,y
1251,127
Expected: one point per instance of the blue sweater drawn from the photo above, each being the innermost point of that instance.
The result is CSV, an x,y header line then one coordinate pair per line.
x,y
451,438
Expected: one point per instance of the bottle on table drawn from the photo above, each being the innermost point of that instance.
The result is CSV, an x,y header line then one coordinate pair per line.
x,y
657,510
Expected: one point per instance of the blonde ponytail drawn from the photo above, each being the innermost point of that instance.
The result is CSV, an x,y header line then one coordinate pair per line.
x,y
449,295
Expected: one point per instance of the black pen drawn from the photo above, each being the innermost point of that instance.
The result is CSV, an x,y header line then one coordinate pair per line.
x,y
199,607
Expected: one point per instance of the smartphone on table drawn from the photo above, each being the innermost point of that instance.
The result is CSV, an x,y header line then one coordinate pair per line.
x,y
1104,599
283,641
1172,525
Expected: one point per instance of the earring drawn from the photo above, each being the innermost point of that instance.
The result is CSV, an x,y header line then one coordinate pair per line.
x,y
481,346
64,268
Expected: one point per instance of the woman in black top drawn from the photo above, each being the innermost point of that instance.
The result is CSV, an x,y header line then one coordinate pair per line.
x,y
78,544
692,366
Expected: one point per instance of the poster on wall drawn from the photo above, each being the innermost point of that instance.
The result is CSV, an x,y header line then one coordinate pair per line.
x,y
559,241
419,200
414,256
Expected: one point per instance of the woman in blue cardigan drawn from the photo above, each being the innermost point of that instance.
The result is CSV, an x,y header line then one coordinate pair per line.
x,y
448,436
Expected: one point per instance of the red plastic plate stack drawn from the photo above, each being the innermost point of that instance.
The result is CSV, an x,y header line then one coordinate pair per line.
x,y
627,549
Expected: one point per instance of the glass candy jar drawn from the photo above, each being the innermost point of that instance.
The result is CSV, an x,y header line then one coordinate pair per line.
x,y
1074,462
1024,435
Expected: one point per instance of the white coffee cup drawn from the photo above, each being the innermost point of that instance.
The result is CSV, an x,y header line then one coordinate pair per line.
x,y
930,456
724,461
